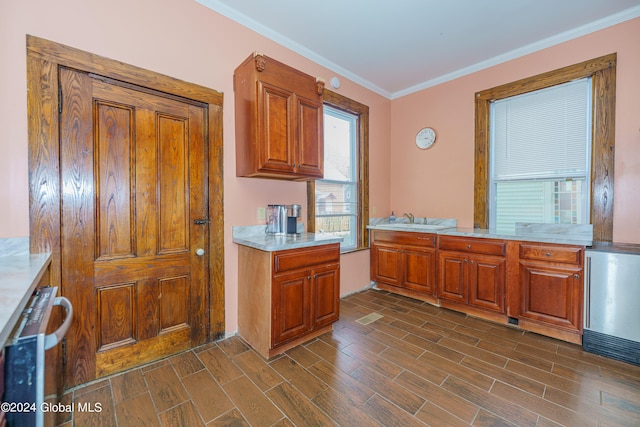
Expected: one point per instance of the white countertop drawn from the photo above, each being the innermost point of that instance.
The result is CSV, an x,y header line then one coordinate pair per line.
x,y
254,236
20,272
543,233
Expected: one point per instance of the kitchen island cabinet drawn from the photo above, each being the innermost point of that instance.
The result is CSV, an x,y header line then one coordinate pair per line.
x,y
287,297
404,263
279,121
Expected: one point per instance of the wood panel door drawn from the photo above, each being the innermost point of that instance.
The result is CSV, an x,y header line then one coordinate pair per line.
x,y
452,271
419,269
487,282
326,295
276,151
133,180
291,305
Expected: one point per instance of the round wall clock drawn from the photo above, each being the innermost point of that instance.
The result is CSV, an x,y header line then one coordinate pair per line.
x,y
425,138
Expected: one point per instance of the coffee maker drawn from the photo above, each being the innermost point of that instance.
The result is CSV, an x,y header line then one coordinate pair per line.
x,y
293,213
282,219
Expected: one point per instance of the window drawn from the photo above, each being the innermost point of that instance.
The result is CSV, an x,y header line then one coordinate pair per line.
x,y
540,156
338,204
602,72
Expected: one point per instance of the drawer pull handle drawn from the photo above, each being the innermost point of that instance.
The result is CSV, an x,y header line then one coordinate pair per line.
x,y
468,246
547,254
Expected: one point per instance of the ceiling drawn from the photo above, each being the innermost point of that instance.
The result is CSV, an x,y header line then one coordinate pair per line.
x,y
397,47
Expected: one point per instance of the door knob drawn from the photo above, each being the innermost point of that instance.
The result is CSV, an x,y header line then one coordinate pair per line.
x,y
199,251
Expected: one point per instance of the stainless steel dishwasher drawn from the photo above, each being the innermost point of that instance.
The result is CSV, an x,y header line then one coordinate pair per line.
x,y
612,301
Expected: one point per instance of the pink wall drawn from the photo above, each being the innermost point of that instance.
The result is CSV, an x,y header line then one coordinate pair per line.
x,y
439,182
182,39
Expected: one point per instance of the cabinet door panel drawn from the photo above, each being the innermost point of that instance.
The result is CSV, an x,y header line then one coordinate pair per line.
x,y
310,155
551,294
326,294
452,280
275,129
386,264
419,269
486,282
291,314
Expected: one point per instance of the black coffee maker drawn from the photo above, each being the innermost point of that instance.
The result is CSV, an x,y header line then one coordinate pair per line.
x,y
293,213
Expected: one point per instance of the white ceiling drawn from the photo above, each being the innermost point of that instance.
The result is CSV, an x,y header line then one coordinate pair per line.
x,y
397,47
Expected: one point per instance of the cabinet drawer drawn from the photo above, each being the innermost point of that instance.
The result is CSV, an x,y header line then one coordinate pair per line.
x,y
305,257
426,240
565,254
480,246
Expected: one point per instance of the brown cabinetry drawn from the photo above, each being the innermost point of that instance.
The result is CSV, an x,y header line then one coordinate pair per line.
x,y
279,116
404,262
551,289
287,297
472,273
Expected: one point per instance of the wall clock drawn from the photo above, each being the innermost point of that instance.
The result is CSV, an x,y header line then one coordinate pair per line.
x,y
425,138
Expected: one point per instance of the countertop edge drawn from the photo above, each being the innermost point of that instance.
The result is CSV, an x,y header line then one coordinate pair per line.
x,y
284,245
40,261
557,238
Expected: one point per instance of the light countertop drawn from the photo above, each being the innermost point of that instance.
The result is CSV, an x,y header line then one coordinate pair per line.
x,y
542,233
20,273
254,236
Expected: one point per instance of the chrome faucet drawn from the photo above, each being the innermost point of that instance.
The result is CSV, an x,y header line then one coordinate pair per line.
x,y
410,216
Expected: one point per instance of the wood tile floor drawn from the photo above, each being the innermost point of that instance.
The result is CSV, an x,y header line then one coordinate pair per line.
x,y
417,365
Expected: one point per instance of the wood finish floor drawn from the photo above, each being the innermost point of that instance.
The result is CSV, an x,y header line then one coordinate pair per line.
x,y
417,365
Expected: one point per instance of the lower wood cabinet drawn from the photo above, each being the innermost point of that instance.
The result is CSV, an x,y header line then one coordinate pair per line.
x,y
287,297
536,286
472,273
404,262
551,290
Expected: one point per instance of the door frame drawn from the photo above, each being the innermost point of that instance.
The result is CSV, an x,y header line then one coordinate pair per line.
x,y
44,58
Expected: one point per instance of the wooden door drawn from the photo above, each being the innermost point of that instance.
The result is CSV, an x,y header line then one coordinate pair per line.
x,y
551,294
386,264
487,282
326,295
275,144
419,269
309,139
133,180
452,271
291,306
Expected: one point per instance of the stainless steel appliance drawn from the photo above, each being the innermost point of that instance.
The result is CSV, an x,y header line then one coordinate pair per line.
x,y
612,297
276,219
293,213
24,357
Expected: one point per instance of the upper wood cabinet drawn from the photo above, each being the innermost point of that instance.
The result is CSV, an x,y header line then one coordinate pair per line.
x,y
279,121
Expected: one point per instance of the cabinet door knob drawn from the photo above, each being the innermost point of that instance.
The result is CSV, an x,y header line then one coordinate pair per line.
x,y
576,276
199,251
547,254
468,246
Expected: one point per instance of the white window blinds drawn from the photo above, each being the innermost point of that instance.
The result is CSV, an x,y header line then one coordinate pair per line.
x,y
543,134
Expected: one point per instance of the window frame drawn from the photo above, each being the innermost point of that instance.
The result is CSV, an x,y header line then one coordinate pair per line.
x,y
361,111
602,71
